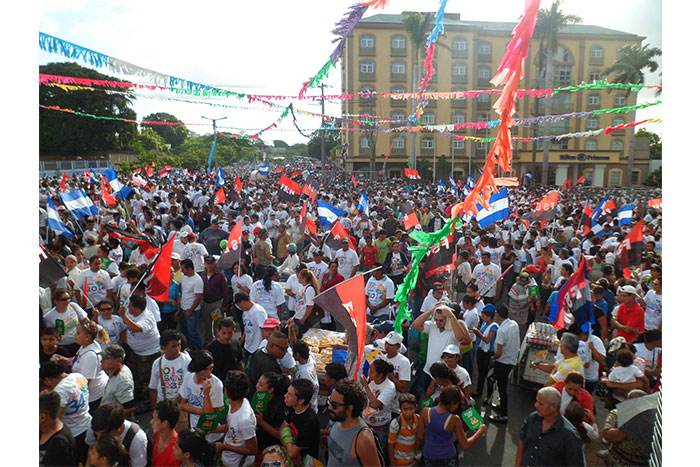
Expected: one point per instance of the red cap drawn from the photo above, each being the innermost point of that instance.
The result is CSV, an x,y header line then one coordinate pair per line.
x,y
270,323
532,268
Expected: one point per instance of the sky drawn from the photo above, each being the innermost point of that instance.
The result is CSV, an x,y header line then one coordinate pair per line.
x,y
271,47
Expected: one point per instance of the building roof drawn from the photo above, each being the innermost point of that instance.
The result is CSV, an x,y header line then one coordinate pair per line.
x,y
502,26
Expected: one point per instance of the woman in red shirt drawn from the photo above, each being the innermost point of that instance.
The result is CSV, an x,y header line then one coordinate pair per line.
x,y
331,277
165,417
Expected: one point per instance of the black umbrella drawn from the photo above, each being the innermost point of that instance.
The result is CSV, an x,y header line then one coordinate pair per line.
x,y
635,417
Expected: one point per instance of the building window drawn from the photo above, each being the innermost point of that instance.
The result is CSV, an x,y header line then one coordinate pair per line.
x,y
620,100
398,90
597,52
484,48
482,145
364,142
458,117
428,118
618,121
459,43
398,68
562,75
592,123
594,75
366,41
484,73
400,144
458,144
482,118
593,99
366,66
366,100
616,145
635,177
398,42
591,145
398,115
484,97
459,69
427,142
615,176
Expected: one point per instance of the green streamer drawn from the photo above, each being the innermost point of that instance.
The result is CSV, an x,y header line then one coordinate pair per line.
x,y
286,112
629,108
322,74
599,85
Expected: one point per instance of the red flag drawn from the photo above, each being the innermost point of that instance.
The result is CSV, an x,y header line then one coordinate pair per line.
x,y
158,278
289,189
337,234
238,185
234,238
411,174
609,206
153,164
106,197
630,250
655,203
309,190
86,175
163,172
354,182
137,171
410,219
586,220
220,197
63,181
309,224
346,302
295,174
278,170
581,179
545,209
85,293
149,171
566,185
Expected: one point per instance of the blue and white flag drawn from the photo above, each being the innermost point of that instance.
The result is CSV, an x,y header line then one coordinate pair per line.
x,y
465,191
79,204
327,213
453,186
624,214
122,190
441,188
528,177
470,183
264,170
598,210
497,211
363,205
55,222
220,178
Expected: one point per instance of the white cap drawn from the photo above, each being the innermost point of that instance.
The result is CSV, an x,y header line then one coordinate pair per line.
x,y
628,289
451,349
393,338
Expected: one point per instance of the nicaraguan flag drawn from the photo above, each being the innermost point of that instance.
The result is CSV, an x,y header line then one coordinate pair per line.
x,y
528,177
79,204
55,222
453,186
497,211
327,213
363,205
470,183
441,188
220,178
624,214
264,170
598,210
122,190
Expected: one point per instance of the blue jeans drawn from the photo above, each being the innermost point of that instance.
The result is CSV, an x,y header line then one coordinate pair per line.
x,y
189,329
420,384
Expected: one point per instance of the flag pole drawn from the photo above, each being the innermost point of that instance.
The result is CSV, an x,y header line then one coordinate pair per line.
x,y
496,282
145,273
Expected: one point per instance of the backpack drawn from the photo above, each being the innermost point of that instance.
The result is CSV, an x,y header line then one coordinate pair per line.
x,y
377,443
133,431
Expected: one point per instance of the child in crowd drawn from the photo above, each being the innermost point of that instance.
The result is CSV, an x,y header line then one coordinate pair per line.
x,y
240,443
49,339
623,372
403,433
306,369
442,377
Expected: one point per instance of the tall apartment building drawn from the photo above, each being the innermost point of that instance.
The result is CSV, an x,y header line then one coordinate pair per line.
x,y
379,56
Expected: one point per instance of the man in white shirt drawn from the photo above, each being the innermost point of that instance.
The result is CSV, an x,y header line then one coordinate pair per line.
x,y
505,358
318,267
401,376
109,419
194,251
191,295
380,294
348,261
486,275
97,282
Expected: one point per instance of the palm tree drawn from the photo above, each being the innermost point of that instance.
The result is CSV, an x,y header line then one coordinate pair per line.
x,y
629,67
418,26
549,22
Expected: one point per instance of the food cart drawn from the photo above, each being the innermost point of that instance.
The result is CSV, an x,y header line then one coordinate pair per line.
x,y
539,345
321,342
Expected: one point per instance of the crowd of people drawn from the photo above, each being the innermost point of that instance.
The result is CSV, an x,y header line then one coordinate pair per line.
x,y
222,365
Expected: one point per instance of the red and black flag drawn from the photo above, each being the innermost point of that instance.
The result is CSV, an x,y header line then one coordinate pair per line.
x,y
146,245
50,271
346,303
566,185
337,233
546,208
629,253
409,215
232,253
354,182
411,174
581,179
220,196
586,220
289,189
158,273
441,257
309,224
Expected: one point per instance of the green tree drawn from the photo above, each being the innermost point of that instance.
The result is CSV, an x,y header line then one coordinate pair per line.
x,y
314,144
629,67
280,144
62,133
549,23
654,178
425,169
174,135
417,26
654,143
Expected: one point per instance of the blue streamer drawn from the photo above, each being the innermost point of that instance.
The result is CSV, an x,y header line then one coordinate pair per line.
x,y
211,154
439,26
183,83
53,44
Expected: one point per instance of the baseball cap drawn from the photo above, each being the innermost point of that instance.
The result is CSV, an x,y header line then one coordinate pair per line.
x,y
209,259
270,323
451,349
532,268
393,338
175,256
489,307
345,240
316,253
292,247
191,235
628,289
256,230
214,221
524,277
438,286
615,344
113,351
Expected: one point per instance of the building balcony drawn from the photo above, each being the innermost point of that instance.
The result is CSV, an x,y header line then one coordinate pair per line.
x,y
368,76
459,53
365,151
484,57
620,132
368,51
483,82
432,104
398,77
590,106
459,78
398,102
483,105
427,151
458,103
595,60
399,52
461,151
398,151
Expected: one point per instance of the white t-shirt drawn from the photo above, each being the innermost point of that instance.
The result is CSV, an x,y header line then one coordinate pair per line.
x,y
98,284
138,450
147,341
463,376
304,298
591,373
317,269
308,371
402,372
194,394
269,300
652,314
625,374
437,341
245,280
88,363
174,372
75,397
508,335
650,357
347,260
252,320
241,427
71,318
189,287
114,327
485,276
386,393
196,252
293,286
378,290
470,318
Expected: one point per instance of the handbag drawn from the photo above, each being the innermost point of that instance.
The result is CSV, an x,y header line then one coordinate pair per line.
x,y
316,313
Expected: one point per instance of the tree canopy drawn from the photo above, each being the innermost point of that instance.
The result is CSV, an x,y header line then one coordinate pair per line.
x,y
655,143
314,144
174,135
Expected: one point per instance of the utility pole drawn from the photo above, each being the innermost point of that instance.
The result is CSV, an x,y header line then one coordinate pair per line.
x,y
213,146
323,132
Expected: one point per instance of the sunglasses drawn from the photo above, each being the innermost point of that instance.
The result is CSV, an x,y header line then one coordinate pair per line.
x,y
271,464
63,299
335,404
105,309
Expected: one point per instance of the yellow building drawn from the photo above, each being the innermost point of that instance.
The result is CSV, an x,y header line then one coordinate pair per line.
x,y
378,56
